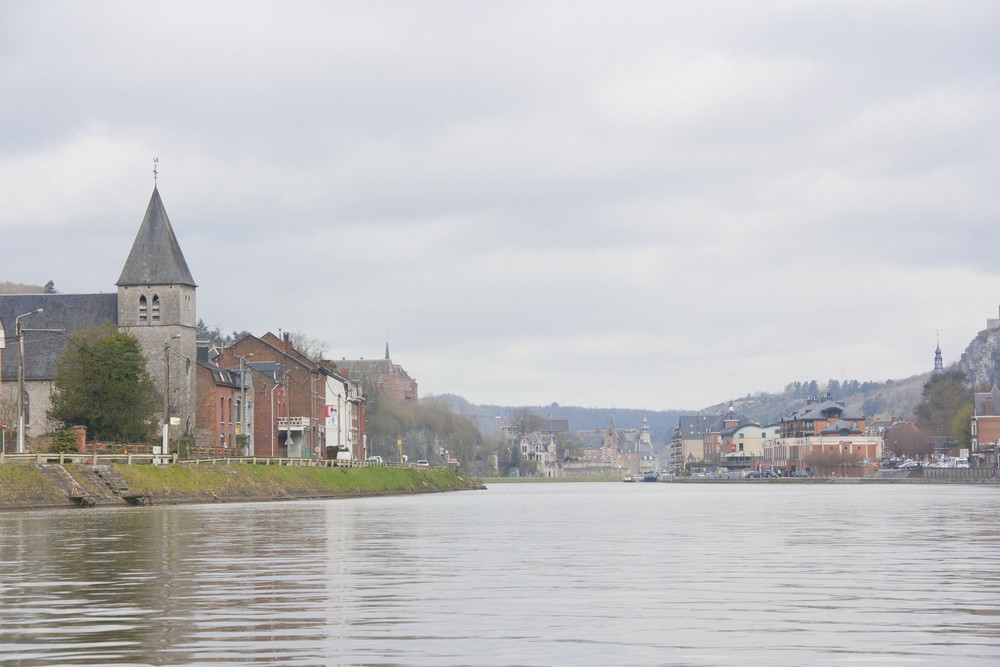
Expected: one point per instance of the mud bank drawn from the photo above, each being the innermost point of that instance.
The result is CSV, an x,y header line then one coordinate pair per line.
x,y
24,486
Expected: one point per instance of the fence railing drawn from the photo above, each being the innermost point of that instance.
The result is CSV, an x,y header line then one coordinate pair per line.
x,y
159,459
958,474
88,458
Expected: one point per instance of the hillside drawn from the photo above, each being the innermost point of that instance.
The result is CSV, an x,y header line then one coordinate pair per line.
x,y
880,400
18,288
661,422
892,398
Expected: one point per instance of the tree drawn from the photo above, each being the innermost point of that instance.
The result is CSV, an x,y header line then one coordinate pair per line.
x,y
905,439
215,337
943,396
525,421
426,428
961,426
102,383
312,348
50,288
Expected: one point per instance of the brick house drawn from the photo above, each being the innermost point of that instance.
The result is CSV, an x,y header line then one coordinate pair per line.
x,y
824,438
218,392
296,407
985,428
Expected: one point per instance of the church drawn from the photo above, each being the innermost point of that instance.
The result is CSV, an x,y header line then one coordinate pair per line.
x,y
154,301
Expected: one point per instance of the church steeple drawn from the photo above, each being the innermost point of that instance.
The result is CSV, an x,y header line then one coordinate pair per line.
x,y
156,257
938,360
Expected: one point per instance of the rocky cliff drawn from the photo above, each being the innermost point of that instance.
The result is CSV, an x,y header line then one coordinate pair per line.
x,y
981,360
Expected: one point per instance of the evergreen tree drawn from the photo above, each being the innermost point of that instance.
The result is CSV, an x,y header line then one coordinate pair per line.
x,y
102,382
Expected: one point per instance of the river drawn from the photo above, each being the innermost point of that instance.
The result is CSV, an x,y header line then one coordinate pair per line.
x,y
520,574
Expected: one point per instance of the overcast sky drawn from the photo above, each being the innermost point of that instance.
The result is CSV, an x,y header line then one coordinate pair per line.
x,y
657,205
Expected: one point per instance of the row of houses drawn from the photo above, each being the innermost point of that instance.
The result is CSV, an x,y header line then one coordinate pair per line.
x,y
822,437
260,397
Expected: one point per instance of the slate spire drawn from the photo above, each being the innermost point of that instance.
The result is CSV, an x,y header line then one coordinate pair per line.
x,y
156,257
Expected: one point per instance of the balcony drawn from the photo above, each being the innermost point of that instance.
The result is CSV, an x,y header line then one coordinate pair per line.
x,y
293,423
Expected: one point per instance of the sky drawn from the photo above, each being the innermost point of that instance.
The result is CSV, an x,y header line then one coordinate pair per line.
x,y
655,205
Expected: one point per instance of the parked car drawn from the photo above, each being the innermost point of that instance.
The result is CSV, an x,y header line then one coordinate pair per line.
x,y
377,460
423,464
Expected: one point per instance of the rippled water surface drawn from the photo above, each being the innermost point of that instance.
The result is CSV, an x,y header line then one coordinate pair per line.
x,y
521,574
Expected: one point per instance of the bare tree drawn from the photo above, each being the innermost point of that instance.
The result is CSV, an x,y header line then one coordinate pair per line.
x,y
312,348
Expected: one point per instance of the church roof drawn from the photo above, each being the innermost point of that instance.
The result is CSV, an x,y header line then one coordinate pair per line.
x,y
42,349
156,257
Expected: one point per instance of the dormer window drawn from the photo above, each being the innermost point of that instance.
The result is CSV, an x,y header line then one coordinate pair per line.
x,y
142,309
156,308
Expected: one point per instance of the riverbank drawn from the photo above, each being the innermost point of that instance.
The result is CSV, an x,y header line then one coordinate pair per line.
x,y
26,486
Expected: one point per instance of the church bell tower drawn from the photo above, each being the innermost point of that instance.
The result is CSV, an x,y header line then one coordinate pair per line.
x,y
156,304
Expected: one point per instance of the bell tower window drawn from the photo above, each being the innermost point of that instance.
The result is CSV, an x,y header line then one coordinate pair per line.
x,y
156,308
142,308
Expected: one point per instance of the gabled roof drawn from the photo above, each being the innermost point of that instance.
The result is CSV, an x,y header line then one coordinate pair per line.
x,y
987,403
156,257
824,410
358,368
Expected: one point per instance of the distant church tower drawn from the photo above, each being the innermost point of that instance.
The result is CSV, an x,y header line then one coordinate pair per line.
x,y
938,360
156,304
645,434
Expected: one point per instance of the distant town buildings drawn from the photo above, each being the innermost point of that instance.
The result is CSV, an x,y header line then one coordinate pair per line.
x,y
383,375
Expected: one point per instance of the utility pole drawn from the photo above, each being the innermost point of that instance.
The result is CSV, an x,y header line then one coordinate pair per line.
x,y
243,404
19,329
165,446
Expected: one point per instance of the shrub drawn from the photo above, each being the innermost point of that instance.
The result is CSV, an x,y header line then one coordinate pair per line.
x,y
64,442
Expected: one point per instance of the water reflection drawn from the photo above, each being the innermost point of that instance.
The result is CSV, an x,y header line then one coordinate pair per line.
x,y
521,574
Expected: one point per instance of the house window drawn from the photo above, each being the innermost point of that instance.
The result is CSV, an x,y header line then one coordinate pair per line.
x,y
142,308
156,308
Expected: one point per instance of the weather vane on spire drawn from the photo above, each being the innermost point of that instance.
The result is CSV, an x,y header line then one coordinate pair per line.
x,y
155,161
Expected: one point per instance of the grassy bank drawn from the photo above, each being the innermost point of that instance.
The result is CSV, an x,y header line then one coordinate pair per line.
x,y
31,486
239,481
27,486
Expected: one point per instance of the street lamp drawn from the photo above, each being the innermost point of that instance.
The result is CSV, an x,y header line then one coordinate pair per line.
x,y
243,404
164,448
19,330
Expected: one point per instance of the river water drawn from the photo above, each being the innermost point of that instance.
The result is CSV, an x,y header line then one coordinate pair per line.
x,y
520,574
